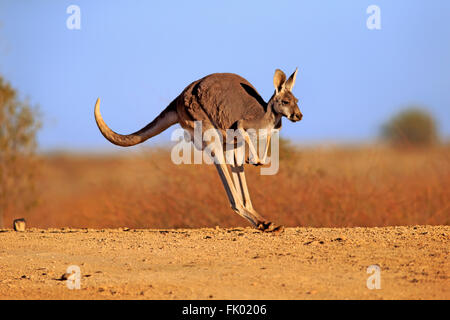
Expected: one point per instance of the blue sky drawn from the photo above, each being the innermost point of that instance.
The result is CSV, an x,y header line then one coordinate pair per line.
x,y
139,55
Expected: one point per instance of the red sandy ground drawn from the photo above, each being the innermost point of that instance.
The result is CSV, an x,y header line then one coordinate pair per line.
x,y
239,263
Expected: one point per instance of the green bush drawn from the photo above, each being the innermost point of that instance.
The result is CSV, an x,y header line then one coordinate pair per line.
x,y
19,123
411,127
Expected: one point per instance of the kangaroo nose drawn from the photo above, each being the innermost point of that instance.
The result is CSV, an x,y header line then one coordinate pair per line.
x,y
298,116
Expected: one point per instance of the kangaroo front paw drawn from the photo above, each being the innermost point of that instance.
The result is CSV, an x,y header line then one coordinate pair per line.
x,y
268,226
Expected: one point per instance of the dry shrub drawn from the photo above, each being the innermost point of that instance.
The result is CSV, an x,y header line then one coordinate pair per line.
x,y
320,187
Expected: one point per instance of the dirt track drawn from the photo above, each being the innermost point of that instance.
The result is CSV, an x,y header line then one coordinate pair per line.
x,y
301,263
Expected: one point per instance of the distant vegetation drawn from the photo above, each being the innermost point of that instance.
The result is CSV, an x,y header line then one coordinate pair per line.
x,y
286,149
317,187
19,123
411,127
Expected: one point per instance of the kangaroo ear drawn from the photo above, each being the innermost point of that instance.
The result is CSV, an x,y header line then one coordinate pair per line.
x,y
278,80
291,81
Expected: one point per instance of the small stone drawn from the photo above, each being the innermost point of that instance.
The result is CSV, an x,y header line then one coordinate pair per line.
x,y
19,225
67,276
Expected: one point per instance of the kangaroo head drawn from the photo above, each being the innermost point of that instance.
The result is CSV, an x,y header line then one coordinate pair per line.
x,y
283,101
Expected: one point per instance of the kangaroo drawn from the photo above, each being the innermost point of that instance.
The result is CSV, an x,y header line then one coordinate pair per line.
x,y
223,101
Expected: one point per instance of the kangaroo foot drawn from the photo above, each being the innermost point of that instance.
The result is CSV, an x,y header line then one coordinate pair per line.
x,y
267,226
255,163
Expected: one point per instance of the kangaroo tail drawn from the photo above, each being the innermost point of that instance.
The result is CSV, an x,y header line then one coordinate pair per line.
x,y
166,118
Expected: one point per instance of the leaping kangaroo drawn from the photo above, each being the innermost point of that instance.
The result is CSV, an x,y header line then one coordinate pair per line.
x,y
222,101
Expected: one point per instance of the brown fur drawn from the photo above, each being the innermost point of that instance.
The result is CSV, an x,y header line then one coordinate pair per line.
x,y
219,100
222,101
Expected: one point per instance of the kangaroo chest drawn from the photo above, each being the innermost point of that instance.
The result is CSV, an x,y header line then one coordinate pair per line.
x,y
268,122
